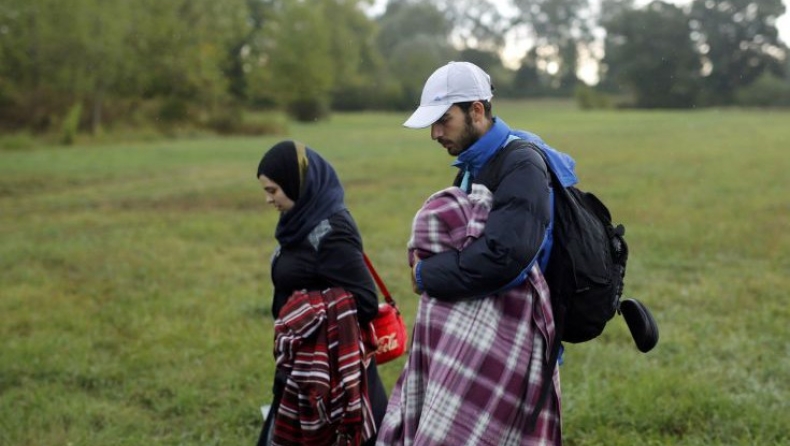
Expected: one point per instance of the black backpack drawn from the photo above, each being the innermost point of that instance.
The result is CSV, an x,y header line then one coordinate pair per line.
x,y
586,265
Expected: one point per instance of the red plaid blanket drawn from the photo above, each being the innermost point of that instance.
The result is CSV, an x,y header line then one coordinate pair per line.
x,y
319,344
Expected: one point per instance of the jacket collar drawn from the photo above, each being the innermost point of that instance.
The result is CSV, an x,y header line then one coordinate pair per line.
x,y
477,155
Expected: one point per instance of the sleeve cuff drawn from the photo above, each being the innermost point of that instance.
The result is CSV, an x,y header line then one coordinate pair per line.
x,y
418,276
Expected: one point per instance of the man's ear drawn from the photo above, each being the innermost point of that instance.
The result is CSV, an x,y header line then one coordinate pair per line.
x,y
479,111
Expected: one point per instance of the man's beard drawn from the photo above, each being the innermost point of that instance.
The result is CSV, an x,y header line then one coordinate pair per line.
x,y
468,137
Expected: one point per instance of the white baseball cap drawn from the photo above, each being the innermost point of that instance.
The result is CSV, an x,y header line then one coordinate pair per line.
x,y
450,84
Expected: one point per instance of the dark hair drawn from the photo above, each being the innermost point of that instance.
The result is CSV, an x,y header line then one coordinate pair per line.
x,y
465,106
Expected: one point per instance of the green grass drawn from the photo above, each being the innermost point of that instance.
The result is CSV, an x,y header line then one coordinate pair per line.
x,y
135,291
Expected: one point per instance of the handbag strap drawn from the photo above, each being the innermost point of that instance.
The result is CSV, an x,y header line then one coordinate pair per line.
x,y
378,280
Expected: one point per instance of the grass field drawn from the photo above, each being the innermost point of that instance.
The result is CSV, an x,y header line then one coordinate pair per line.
x,y
135,292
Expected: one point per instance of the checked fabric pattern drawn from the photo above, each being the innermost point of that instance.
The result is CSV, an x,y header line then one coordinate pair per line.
x,y
320,346
475,367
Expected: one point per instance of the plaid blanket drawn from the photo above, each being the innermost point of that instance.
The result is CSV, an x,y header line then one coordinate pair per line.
x,y
475,368
320,346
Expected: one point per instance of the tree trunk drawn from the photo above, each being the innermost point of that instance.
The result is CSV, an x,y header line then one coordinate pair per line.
x,y
97,107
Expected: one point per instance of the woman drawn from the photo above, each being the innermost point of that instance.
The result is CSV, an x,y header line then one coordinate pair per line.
x,y
320,251
476,367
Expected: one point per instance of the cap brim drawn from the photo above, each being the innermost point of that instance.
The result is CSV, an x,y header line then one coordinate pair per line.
x,y
426,115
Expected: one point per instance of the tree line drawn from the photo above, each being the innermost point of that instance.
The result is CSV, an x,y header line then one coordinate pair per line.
x,y
98,62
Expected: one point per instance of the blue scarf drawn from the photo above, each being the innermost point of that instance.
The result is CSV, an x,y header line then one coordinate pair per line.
x,y
472,160
321,196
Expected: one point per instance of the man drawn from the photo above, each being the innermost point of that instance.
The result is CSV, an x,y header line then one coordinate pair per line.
x,y
456,105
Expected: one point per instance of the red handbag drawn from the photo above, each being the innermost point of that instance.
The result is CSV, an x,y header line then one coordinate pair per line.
x,y
390,329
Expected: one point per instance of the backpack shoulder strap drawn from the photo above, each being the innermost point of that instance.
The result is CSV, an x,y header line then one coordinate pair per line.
x,y
491,174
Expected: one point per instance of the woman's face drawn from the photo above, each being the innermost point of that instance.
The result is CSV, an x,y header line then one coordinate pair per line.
x,y
275,195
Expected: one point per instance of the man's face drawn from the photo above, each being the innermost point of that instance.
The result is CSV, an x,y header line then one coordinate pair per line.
x,y
455,130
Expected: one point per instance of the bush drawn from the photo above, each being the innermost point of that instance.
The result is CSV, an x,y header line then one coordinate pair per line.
x,y
767,91
376,96
308,110
17,141
173,110
232,121
588,98
71,124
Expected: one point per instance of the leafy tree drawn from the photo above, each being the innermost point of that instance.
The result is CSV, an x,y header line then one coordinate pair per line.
x,y
404,20
611,12
487,60
299,58
529,80
739,41
650,51
415,39
559,28
243,51
413,60
356,62
54,55
476,24
185,41
107,54
612,9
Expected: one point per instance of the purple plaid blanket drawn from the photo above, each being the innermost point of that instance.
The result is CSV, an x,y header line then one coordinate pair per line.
x,y
475,368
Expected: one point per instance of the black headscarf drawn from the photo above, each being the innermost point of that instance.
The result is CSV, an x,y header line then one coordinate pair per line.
x,y
307,179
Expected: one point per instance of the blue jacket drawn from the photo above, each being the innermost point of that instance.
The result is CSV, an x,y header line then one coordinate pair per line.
x,y
517,224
